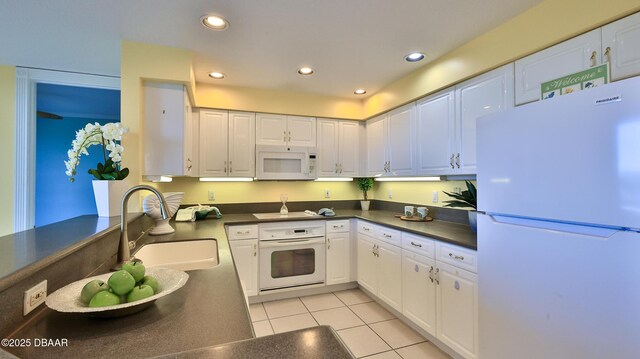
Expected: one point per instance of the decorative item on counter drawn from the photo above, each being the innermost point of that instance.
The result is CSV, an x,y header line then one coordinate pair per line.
x,y
107,191
466,198
365,184
408,211
193,213
327,212
422,212
151,206
284,198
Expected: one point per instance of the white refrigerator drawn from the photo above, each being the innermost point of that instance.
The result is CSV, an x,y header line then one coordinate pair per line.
x,y
559,241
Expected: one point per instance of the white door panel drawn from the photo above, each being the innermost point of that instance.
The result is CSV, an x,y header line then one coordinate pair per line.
x,y
301,130
435,123
622,41
271,129
242,152
214,127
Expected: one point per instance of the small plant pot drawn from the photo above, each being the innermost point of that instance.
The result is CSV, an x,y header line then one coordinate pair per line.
x,y
365,205
473,221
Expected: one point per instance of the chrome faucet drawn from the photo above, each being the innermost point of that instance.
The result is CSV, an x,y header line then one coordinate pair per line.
x,y
124,249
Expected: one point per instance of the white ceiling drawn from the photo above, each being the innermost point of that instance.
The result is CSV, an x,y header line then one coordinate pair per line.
x,y
349,43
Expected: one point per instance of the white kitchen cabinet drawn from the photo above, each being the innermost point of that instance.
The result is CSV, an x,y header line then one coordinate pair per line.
x,y
391,143
446,121
367,263
621,47
574,55
285,130
338,148
227,144
245,257
376,146
457,309
419,290
389,269
168,132
338,244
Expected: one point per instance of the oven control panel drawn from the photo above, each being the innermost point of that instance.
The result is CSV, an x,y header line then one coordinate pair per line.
x,y
298,229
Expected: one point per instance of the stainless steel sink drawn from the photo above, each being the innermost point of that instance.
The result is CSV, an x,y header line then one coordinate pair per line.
x,y
183,255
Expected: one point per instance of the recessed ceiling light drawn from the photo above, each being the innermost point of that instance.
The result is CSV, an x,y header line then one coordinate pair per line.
x,y
360,91
414,57
305,71
214,22
216,75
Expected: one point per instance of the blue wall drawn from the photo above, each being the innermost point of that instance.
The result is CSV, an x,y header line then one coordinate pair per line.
x,y
57,198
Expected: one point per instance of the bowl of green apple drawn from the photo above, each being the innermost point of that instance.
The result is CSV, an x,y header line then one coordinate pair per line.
x,y
127,291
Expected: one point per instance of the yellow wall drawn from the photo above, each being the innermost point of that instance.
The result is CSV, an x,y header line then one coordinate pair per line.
x,y
7,146
415,192
548,23
261,191
274,101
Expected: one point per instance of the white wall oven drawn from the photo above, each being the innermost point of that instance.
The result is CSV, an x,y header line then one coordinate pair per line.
x,y
291,254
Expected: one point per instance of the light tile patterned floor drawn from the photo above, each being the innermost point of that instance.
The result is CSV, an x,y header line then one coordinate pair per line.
x,y
367,328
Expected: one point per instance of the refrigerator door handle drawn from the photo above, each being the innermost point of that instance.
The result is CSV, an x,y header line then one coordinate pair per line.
x,y
583,229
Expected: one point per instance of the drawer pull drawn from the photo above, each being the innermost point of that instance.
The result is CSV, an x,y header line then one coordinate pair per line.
x,y
366,228
416,244
460,258
336,227
387,235
244,232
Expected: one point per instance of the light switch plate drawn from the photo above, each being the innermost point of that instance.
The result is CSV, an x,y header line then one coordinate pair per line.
x,y
211,196
327,193
390,193
34,297
434,197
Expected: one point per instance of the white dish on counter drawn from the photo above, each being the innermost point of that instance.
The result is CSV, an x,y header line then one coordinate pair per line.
x,y
67,298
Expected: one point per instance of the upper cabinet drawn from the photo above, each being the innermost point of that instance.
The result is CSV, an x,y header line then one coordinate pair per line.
x,y
621,47
568,57
446,121
391,143
168,130
227,144
338,148
285,130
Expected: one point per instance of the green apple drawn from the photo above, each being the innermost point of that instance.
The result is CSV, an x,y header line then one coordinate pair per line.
x,y
90,289
121,282
104,299
135,268
140,292
151,282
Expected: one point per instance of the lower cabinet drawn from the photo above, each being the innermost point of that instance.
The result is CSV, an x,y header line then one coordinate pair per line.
x,y
338,258
245,256
419,290
380,269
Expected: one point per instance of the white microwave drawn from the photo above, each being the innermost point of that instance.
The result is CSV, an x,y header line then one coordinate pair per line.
x,y
285,162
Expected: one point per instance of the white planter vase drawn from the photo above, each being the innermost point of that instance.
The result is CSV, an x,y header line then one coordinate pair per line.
x,y
365,205
108,195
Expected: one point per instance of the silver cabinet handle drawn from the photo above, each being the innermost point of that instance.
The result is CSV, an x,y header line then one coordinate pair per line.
x,y
328,243
336,169
225,166
189,165
451,161
230,168
284,136
366,228
607,54
248,231
340,168
289,137
431,274
458,160
593,58
336,226
387,235
436,276
460,258
416,244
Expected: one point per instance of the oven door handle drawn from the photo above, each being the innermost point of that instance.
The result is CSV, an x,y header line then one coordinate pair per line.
x,y
289,243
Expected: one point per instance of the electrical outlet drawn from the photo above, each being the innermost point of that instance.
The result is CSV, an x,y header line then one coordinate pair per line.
x,y
34,297
327,193
211,196
390,193
434,197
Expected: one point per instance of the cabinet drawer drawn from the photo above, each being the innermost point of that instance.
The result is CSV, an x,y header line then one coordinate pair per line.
x,y
389,235
368,229
457,256
242,232
418,244
337,226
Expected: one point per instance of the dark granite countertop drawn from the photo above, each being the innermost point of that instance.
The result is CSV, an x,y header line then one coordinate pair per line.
x,y
310,343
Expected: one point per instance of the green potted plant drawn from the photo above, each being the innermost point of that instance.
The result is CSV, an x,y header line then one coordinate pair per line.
x,y
365,184
467,198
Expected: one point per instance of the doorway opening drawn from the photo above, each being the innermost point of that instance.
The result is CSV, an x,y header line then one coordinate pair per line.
x,y
61,111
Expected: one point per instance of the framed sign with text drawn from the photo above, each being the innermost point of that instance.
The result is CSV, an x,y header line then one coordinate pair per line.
x,y
592,77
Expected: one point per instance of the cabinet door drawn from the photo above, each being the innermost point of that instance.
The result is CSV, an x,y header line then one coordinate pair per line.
x,y
390,275
214,129
242,144
367,264
482,95
301,131
457,309
402,140
338,258
419,290
271,129
188,137
621,46
349,148
164,125
376,145
328,147
571,56
436,131
245,257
